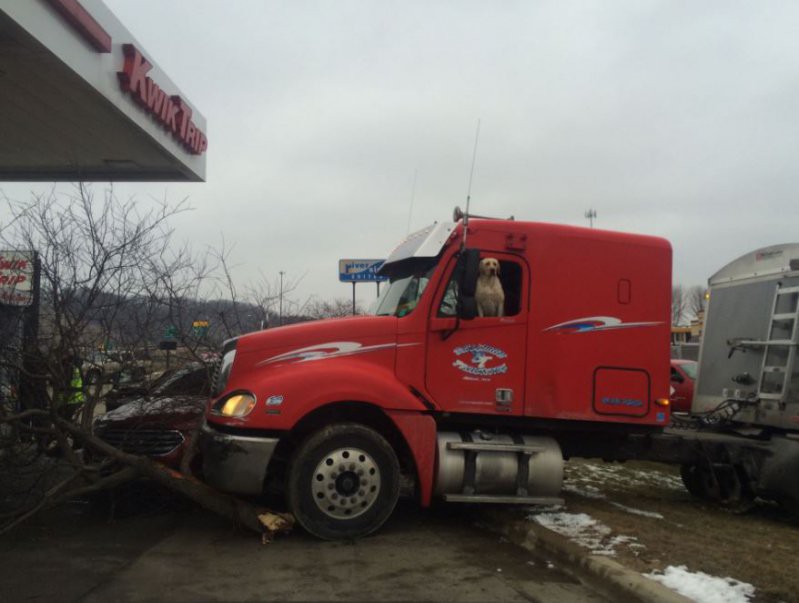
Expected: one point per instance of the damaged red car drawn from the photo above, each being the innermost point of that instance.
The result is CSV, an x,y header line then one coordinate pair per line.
x,y
161,423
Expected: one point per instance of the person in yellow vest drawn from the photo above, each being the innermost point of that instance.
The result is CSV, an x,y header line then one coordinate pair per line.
x,y
73,397
68,397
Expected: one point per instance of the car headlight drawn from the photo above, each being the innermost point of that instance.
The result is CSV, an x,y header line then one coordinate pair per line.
x,y
238,404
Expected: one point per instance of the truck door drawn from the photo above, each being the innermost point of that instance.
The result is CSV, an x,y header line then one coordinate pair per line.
x,y
478,365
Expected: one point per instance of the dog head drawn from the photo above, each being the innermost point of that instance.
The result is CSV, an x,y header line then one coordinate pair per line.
x,y
489,267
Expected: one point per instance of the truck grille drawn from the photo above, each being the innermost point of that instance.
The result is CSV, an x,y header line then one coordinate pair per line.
x,y
151,442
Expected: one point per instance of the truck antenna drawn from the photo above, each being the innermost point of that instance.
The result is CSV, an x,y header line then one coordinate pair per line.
x,y
469,190
413,196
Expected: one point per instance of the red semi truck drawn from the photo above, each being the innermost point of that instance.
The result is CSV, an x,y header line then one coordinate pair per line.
x,y
336,414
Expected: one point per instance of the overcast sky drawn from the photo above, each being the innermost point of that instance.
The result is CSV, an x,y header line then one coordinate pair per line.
x,y
678,119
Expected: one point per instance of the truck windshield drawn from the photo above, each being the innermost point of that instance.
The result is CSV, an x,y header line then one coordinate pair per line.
x,y
407,282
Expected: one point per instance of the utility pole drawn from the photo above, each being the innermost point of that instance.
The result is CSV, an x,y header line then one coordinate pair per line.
x,y
280,314
591,215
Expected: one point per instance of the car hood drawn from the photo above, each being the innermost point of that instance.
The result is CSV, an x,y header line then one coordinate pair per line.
x,y
172,411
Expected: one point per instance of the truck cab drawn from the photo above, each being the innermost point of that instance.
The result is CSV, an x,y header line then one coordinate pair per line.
x,y
467,408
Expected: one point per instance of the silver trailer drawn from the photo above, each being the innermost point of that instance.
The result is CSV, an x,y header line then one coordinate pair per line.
x,y
747,361
742,438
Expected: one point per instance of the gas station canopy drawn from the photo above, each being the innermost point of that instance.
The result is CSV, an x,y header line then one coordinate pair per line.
x,y
81,99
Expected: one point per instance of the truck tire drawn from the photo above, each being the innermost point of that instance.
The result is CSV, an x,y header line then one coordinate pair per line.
x,y
343,482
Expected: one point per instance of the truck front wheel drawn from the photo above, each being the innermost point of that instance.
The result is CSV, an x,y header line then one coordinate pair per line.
x,y
343,482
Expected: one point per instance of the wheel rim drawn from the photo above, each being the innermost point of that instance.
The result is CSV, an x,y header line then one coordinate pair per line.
x,y
345,483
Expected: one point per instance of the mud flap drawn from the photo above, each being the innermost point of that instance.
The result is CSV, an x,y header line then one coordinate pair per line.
x,y
778,473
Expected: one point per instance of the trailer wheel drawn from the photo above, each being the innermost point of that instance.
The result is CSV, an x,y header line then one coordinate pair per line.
x,y
343,482
737,495
725,485
691,480
701,481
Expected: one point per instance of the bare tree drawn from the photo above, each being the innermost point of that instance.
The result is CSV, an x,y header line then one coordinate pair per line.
x,y
95,254
678,304
696,302
266,294
110,273
337,308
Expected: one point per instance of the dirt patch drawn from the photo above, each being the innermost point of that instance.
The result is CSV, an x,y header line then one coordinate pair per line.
x,y
655,523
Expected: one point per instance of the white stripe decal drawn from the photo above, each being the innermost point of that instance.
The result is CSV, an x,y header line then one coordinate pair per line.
x,y
333,349
597,323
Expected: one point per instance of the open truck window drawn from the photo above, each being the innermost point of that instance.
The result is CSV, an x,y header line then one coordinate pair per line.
x,y
510,275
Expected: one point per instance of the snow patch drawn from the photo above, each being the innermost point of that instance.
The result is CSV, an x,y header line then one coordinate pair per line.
x,y
703,588
583,530
594,493
634,511
586,474
587,491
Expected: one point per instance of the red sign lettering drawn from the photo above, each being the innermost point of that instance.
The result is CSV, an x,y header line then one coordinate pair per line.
x,y
170,111
16,272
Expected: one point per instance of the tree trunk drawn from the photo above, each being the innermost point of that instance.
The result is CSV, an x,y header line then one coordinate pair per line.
x,y
258,519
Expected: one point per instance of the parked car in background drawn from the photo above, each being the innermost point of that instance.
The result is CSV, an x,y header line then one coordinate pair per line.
x,y
160,423
192,379
683,376
112,367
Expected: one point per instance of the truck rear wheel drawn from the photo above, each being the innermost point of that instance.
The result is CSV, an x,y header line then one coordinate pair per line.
x,y
343,482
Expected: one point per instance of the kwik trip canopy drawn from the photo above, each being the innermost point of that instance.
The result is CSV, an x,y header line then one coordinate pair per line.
x,y
81,99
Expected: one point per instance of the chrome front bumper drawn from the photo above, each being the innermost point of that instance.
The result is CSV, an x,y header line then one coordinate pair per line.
x,y
235,464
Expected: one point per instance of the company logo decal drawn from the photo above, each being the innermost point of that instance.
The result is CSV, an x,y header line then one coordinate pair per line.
x,y
481,360
767,255
597,323
622,402
333,349
274,400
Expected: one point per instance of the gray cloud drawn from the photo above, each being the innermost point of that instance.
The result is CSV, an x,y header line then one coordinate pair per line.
x,y
670,118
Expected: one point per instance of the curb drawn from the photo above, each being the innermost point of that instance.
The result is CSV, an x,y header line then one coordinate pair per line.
x,y
617,580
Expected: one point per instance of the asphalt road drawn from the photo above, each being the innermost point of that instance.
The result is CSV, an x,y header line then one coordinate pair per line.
x,y
189,555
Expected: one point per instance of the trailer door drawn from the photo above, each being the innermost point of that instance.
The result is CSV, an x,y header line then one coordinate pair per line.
x,y
478,365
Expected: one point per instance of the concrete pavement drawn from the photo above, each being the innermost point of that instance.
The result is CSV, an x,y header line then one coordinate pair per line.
x,y
420,555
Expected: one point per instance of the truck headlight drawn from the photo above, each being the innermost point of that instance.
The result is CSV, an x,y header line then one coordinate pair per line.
x,y
238,404
228,356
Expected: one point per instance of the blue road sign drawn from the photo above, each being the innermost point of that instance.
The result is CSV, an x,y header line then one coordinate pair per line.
x,y
357,271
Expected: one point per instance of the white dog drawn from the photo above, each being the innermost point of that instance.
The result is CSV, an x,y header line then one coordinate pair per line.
x,y
489,294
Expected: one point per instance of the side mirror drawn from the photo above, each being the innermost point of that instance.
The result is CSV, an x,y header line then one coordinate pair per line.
x,y
468,270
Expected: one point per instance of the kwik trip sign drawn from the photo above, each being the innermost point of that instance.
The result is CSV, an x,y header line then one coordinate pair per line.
x,y
16,278
172,112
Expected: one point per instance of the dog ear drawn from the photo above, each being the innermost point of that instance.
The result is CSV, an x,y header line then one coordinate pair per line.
x,y
498,265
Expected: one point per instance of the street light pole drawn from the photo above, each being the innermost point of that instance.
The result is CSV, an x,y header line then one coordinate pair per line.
x,y
591,215
280,315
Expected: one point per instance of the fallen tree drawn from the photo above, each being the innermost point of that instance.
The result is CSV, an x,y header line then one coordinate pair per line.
x,y
112,279
86,478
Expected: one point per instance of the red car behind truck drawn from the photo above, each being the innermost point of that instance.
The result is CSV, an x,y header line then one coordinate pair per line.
x,y
683,376
332,413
